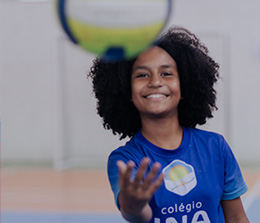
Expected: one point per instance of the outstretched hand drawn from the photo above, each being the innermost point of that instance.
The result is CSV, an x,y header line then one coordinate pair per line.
x,y
136,193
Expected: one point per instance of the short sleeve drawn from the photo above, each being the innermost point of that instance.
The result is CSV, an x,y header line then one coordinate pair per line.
x,y
113,175
234,184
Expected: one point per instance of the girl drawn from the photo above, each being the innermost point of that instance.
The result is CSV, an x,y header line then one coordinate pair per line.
x,y
169,171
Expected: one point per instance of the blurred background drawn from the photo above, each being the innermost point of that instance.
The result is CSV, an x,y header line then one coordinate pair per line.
x,y
48,110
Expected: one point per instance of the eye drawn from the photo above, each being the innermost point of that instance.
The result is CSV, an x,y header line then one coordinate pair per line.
x,y
141,75
164,74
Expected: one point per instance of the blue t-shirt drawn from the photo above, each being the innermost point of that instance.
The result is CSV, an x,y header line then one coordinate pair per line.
x,y
198,175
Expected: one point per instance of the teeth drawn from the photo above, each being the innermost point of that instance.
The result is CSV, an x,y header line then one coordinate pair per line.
x,y
156,96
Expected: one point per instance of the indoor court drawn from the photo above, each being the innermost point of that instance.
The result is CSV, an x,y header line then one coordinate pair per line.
x,y
53,144
43,195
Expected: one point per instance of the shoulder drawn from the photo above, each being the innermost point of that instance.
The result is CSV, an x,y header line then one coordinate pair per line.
x,y
206,135
209,140
130,150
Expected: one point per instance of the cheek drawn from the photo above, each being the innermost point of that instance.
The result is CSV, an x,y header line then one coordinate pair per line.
x,y
176,88
179,90
134,96
132,91
135,89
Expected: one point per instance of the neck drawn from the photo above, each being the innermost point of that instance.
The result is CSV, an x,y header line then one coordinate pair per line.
x,y
164,133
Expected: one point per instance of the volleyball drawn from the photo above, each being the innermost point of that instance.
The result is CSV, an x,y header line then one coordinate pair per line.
x,y
113,29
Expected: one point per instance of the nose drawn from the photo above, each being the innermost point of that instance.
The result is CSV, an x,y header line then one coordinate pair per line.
x,y
155,81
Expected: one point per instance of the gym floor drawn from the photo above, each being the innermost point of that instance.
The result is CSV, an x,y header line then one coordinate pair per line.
x,y
44,195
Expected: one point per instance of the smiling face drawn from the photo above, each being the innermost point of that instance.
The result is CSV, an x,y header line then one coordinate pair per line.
x,y
155,84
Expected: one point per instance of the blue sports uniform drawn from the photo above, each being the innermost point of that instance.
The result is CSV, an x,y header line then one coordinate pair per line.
x,y
198,175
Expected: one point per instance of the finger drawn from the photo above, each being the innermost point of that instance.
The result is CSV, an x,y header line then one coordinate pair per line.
x,y
121,166
129,170
122,169
125,171
141,171
152,175
155,185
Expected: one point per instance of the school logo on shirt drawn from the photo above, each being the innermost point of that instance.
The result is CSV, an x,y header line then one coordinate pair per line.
x,y
179,177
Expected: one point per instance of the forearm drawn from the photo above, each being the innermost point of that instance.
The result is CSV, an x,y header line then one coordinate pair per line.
x,y
242,220
234,211
143,216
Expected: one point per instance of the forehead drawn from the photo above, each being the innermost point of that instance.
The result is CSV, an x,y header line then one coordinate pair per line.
x,y
153,57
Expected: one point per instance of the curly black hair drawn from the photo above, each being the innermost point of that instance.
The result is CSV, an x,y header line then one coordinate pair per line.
x,y
197,70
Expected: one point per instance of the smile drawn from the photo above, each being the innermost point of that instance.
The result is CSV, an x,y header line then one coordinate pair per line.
x,y
156,96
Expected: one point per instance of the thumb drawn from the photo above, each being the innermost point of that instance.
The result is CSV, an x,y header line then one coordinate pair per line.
x,y
125,171
121,166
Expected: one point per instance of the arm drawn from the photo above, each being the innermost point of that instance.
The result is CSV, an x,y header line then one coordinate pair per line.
x,y
135,194
234,211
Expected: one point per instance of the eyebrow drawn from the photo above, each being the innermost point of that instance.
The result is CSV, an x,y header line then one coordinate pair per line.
x,y
168,66
143,67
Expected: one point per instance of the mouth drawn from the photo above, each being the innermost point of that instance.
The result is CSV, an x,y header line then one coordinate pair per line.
x,y
156,96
